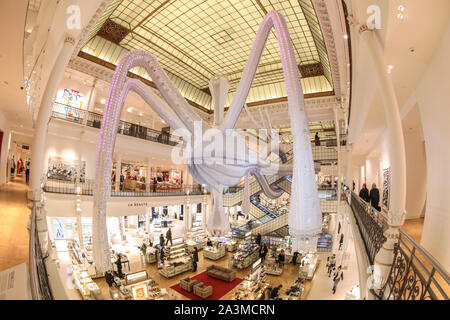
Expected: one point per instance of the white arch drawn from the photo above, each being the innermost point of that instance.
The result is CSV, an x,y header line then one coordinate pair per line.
x,y
305,217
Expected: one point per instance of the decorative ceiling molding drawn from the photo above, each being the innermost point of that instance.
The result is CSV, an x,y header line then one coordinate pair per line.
x,y
113,32
327,32
86,30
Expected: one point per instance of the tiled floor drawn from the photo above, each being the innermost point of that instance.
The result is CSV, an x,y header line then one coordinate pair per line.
x,y
413,228
13,224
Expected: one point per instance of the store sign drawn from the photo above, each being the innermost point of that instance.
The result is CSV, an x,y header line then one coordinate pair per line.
x,y
138,204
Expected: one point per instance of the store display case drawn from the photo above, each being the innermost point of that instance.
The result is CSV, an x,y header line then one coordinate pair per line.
x,y
215,252
295,292
196,237
254,285
248,253
139,286
272,266
308,265
177,259
88,289
151,255
231,245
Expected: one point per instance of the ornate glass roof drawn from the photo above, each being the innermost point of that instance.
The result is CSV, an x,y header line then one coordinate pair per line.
x,y
196,39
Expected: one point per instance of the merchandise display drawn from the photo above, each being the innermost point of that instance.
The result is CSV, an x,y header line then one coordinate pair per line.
x,y
248,253
139,286
214,252
197,237
272,266
353,293
308,265
83,258
295,292
177,259
254,285
151,255
88,289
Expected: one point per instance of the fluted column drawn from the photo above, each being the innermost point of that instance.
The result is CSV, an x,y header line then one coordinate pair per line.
x,y
149,175
187,216
397,160
39,139
338,148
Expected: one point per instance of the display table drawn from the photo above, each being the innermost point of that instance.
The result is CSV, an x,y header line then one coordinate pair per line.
x,y
231,245
308,265
272,267
243,259
177,259
196,242
151,255
214,253
88,289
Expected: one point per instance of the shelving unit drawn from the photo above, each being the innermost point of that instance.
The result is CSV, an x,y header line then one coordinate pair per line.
x,y
254,285
177,259
248,253
196,237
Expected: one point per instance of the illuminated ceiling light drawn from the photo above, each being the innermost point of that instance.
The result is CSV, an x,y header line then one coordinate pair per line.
x,y
140,114
102,101
163,121
401,8
389,68
400,16
345,36
129,109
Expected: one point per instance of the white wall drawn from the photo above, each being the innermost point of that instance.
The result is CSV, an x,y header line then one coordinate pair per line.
x,y
433,98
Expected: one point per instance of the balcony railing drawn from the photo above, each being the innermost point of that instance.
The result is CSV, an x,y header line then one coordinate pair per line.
x,y
415,274
371,224
94,120
86,188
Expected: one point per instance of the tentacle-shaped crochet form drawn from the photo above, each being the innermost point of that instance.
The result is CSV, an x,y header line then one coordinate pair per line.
x,y
305,216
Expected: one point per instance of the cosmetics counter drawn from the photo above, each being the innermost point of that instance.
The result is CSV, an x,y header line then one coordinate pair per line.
x,y
177,259
214,252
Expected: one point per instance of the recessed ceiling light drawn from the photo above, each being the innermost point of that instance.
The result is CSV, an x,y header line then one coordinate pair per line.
x,y
103,101
345,36
401,8
400,16
129,109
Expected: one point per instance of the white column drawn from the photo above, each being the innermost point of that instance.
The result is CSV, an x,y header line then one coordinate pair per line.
x,y
349,171
204,212
122,227
92,96
338,148
40,135
187,209
149,174
396,147
148,215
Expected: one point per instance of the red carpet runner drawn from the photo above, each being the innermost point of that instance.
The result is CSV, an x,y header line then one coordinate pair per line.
x,y
220,287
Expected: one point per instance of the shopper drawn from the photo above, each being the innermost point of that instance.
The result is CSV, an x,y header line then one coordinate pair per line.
x,y
375,197
331,264
341,241
209,243
317,139
194,259
281,258
162,254
338,276
364,193
155,182
161,240
27,172
169,237
294,258
109,277
275,292
119,266
263,252
339,227
258,239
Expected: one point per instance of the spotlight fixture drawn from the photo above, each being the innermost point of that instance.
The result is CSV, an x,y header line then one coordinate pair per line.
x,y
102,101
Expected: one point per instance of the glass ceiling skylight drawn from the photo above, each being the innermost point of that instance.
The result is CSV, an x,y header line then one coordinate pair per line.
x,y
196,39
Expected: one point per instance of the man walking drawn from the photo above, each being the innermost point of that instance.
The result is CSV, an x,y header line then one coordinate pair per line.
x,y
338,276
341,241
169,237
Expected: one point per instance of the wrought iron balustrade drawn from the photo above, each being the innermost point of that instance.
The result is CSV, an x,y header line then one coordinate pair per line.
x,y
371,224
415,274
39,282
94,120
86,188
